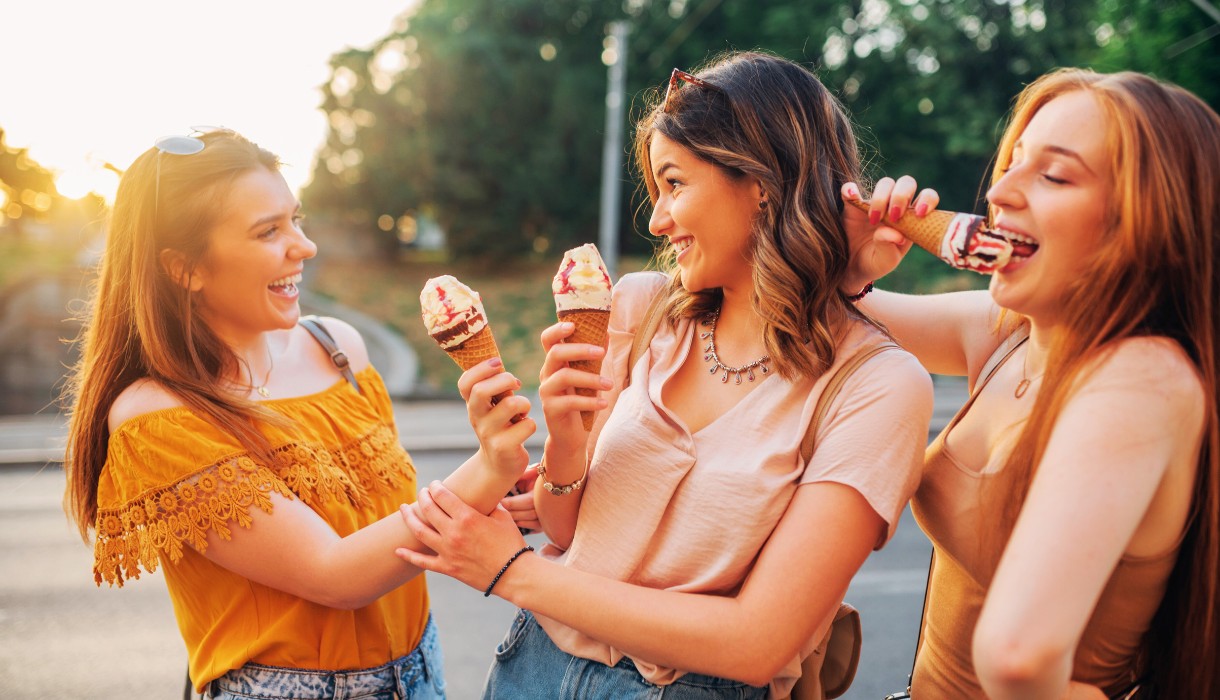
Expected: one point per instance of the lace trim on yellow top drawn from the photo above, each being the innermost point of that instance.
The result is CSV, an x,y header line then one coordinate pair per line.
x,y
156,521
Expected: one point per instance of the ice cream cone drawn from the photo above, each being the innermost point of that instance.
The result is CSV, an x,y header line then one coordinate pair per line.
x,y
583,293
479,347
592,327
962,240
453,314
926,232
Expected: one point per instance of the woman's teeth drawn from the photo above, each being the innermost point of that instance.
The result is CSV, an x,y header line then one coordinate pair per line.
x,y
1022,245
682,244
288,281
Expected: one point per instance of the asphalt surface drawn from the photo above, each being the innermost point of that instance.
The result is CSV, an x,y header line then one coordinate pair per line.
x,y
60,636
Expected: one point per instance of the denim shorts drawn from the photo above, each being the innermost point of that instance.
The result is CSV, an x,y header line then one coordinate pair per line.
x,y
416,676
529,666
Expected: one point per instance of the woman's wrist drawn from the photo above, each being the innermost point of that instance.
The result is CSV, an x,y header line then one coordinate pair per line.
x,y
515,583
563,465
560,489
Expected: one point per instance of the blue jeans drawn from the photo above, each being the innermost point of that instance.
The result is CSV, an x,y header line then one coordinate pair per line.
x,y
529,666
416,676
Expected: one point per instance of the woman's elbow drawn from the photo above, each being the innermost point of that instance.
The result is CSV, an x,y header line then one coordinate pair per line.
x,y
759,668
1014,661
351,602
334,597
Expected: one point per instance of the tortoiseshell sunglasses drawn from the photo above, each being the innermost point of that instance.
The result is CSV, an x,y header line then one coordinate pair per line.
x,y
679,76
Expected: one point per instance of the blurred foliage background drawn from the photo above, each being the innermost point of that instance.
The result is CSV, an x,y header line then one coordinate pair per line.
x,y
468,139
486,116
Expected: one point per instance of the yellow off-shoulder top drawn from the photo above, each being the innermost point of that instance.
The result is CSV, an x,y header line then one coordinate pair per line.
x,y
171,476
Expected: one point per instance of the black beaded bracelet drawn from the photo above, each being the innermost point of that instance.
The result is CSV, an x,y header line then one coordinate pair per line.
x,y
859,295
504,568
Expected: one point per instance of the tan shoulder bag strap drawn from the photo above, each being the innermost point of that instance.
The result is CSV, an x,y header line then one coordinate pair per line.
x,y
829,671
833,387
646,330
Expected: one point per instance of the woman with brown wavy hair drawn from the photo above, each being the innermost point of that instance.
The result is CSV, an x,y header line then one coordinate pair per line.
x,y
213,437
697,552
1088,454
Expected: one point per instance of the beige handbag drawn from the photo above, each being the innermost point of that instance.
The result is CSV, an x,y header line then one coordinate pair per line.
x,y
830,669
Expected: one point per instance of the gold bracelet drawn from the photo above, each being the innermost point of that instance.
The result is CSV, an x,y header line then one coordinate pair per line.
x,y
566,488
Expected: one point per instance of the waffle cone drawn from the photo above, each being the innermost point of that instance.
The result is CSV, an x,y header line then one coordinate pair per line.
x,y
926,232
479,347
592,327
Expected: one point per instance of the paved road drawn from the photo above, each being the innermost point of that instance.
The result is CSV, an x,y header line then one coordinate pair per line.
x,y
60,636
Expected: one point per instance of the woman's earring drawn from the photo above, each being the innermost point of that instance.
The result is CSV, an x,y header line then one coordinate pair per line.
x,y
762,204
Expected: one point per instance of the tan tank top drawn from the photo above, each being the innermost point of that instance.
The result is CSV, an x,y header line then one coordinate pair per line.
x,y
952,509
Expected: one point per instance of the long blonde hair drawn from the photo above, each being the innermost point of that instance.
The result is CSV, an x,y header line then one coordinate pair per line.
x,y
141,323
772,120
1157,273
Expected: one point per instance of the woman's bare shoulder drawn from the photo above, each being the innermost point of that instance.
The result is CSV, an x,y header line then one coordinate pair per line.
x,y
141,397
1146,371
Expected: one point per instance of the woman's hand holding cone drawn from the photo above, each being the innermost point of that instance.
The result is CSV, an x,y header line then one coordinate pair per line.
x,y
562,403
502,425
876,247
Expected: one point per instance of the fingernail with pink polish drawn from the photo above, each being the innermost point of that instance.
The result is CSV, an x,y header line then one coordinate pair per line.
x,y
921,210
874,217
895,213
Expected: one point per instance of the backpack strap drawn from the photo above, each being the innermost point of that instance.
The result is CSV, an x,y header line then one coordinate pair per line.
x,y
833,387
314,325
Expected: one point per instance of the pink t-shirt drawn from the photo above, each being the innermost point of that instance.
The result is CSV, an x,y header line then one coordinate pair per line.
x,y
672,510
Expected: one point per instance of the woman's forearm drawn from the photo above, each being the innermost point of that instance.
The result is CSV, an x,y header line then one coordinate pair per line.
x,y
370,549
558,513
936,328
715,635
294,550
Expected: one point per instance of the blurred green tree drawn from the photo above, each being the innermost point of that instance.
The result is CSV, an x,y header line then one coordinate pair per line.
x,y
483,115
1175,40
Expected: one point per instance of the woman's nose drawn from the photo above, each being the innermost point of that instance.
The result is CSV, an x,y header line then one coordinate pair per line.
x,y
660,222
304,247
1005,193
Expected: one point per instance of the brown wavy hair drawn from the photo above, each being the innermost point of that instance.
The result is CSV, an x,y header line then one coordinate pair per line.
x,y
142,324
772,120
1156,275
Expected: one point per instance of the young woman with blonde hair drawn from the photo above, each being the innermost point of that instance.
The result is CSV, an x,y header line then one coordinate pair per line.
x,y
1088,455
213,437
697,553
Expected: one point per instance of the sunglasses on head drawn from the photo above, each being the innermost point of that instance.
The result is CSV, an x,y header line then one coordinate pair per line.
x,y
186,145
676,78
179,146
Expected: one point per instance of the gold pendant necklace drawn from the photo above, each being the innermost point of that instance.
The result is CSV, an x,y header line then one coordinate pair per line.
x,y
1023,385
262,389
709,354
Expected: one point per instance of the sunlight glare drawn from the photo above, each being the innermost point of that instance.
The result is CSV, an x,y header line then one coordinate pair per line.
x,y
120,74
